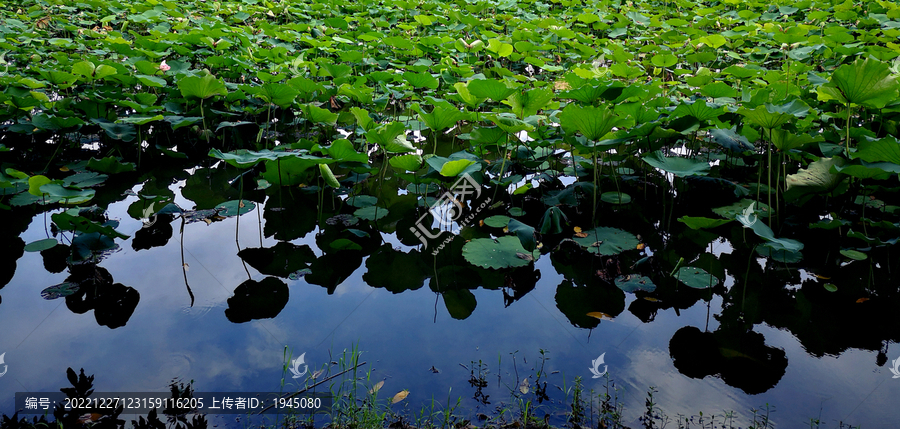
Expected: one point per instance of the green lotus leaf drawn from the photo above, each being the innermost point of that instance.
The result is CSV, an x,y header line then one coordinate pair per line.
x,y
410,162
865,82
696,278
40,245
504,252
632,283
592,122
608,241
702,222
490,88
196,87
677,165
235,207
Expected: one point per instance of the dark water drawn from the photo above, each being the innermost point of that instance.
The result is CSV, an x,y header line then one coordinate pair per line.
x,y
776,339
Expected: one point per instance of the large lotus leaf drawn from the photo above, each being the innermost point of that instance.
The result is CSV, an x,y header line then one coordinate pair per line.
x,y
35,183
763,231
110,165
456,167
504,252
866,170
785,141
399,145
696,278
443,116
409,162
864,82
319,115
510,124
384,134
201,87
528,103
118,131
608,241
677,165
253,299
524,232
772,116
730,140
592,122
421,80
465,96
68,195
235,207
41,245
343,150
883,150
70,220
702,222
586,94
698,109
291,171
738,208
632,283
552,222
817,177
279,94
490,88
243,158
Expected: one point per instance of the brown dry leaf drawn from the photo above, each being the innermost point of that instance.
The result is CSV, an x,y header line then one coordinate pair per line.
x,y
524,386
401,395
481,222
376,387
581,234
63,169
861,300
641,246
651,299
821,276
208,221
599,315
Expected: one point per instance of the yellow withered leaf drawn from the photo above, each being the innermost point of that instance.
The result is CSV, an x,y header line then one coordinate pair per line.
x,y
861,300
599,315
577,229
376,387
63,169
399,396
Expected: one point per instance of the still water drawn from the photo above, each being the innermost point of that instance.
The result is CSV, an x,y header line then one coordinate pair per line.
x,y
695,353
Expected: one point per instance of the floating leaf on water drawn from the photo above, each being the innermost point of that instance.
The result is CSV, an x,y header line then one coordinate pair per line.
x,y
651,299
37,246
607,241
399,396
617,198
502,253
633,282
696,278
524,386
371,213
235,207
59,291
830,287
861,300
376,387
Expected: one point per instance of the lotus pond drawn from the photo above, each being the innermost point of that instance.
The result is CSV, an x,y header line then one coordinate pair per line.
x,y
484,197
